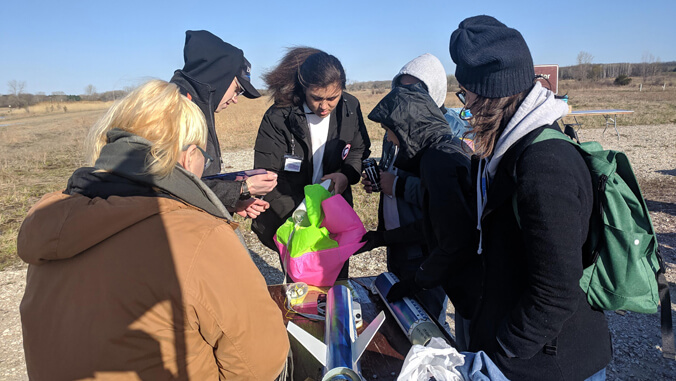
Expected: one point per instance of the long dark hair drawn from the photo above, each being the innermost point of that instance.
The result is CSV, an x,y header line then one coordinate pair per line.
x,y
300,68
490,117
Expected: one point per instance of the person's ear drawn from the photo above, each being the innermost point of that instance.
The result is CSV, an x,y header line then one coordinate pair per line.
x,y
186,158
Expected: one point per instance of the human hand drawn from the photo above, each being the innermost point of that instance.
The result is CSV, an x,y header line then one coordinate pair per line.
x,y
340,182
373,239
260,185
405,288
366,183
387,182
251,208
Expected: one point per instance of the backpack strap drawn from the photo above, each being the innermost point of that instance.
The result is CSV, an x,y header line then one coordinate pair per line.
x,y
541,134
668,348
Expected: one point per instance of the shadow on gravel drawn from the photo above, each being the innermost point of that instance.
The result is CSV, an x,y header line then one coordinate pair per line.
x,y
659,206
670,172
271,274
668,252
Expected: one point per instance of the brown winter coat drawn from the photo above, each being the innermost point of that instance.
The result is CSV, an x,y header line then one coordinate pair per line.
x,y
143,288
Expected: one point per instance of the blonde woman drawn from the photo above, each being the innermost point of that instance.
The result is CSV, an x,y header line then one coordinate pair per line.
x,y
134,270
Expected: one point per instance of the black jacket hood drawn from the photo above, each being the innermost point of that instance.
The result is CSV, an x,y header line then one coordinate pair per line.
x,y
210,65
415,119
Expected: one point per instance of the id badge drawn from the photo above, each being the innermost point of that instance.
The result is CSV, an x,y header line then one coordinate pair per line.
x,y
292,163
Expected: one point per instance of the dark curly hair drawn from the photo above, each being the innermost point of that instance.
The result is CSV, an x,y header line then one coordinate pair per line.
x,y
300,68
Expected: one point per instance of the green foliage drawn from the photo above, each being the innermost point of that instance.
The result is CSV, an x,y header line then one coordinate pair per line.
x,y
622,80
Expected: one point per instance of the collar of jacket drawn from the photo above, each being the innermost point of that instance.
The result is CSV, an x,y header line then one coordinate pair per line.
x,y
126,156
503,185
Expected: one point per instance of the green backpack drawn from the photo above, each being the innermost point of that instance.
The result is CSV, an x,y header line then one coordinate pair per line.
x,y
624,269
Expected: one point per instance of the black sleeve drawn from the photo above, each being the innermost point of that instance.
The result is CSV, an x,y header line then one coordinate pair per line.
x,y
411,233
359,151
269,152
270,145
450,225
228,191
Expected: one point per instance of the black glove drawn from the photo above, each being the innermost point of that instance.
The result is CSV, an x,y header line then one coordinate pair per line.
x,y
373,239
404,288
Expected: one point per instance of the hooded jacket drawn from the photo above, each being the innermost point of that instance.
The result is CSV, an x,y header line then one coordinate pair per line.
x,y
533,318
428,150
210,66
284,131
136,277
400,214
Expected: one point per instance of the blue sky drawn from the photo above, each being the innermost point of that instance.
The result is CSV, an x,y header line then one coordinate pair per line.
x,y
67,45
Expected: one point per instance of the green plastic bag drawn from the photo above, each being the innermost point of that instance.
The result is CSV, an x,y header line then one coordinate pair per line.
x,y
307,235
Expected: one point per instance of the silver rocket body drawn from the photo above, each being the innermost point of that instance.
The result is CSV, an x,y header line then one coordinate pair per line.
x,y
409,314
342,348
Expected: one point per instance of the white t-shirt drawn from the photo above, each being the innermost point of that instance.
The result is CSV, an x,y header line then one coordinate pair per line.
x,y
319,132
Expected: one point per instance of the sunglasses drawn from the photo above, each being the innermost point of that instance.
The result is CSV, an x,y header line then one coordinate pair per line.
x,y
462,94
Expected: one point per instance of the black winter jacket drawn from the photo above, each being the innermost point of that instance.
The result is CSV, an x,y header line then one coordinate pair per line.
x,y
210,67
531,300
428,150
285,131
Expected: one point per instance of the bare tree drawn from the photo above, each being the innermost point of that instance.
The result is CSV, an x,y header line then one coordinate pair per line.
x,y
584,61
16,93
16,87
646,60
90,91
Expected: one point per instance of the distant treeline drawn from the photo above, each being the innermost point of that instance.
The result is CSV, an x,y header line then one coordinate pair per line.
x,y
378,87
22,100
648,72
591,71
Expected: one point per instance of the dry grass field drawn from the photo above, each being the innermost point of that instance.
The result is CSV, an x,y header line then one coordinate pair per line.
x,y
39,148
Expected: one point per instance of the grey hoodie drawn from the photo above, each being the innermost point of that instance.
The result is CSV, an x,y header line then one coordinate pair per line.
x,y
430,71
540,108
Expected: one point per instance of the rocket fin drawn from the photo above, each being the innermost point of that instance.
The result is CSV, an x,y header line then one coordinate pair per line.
x,y
311,343
365,338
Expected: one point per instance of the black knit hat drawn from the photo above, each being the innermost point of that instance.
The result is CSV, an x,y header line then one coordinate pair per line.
x,y
491,59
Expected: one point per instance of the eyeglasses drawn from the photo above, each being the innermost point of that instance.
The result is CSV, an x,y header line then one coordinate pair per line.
x,y
240,89
207,158
462,94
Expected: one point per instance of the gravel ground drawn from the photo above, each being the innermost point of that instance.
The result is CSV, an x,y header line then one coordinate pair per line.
x,y
636,337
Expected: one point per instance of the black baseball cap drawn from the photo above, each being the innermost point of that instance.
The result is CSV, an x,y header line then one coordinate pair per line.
x,y
244,78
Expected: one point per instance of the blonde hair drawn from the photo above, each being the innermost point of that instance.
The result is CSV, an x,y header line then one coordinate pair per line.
x,y
157,112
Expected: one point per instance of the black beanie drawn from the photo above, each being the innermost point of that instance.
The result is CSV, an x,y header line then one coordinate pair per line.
x,y
491,59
